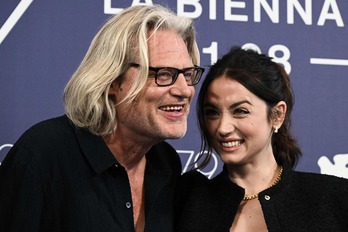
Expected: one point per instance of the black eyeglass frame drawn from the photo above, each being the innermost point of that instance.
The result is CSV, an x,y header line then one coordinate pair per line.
x,y
195,81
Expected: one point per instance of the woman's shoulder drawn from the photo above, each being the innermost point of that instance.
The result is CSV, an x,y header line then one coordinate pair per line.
x,y
321,182
193,179
318,177
190,185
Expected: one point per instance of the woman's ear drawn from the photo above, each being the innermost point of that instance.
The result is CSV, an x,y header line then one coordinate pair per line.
x,y
278,115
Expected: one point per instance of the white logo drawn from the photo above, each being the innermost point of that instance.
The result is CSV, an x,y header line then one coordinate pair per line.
x,y
208,171
1,148
338,168
108,9
13,18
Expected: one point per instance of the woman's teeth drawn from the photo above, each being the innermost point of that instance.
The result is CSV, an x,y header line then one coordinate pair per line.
x,y
232,144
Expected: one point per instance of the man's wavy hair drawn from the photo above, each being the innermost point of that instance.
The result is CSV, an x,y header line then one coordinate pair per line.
x,y
121,41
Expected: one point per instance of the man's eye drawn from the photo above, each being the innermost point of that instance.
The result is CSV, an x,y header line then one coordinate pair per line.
x,y
188,74
164,75
152,74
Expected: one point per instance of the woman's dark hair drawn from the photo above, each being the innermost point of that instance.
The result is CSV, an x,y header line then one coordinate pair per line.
x,y
264,78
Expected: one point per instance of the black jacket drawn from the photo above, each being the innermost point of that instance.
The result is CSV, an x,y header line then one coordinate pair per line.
x,y
60,178
300,202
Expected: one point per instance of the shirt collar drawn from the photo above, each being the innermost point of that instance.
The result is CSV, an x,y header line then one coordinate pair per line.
x,y
95,150
100,157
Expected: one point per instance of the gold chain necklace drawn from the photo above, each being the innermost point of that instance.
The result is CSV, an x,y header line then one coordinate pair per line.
x,y
254,196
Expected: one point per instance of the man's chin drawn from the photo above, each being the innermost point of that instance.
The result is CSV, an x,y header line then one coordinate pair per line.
x,y
174,131
176,134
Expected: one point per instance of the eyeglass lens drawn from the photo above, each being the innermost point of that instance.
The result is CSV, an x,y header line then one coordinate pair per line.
x,y
167,76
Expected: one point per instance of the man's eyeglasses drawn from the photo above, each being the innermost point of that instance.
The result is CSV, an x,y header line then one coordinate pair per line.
x,y
166,76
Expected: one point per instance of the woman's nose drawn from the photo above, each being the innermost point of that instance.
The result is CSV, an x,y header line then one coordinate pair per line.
x,y
226,125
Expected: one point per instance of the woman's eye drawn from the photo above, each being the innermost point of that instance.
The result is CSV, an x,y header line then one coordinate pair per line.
x,y
241,112
209,113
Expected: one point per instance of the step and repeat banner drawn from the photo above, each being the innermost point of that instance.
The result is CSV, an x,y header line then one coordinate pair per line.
x,y
43,41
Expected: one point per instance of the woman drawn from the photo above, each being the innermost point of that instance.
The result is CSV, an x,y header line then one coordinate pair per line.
x,y
244,109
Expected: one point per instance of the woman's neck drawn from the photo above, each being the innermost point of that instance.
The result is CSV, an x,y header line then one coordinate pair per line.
x,y
254,177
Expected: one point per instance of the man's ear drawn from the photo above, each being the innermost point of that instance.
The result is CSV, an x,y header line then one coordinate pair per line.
x,y
114,90
115,87
278,114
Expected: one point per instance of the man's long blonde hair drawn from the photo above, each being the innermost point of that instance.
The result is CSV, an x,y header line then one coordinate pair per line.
x,y
120,41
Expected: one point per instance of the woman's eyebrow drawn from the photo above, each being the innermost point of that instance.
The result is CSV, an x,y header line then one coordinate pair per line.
x,y
234,105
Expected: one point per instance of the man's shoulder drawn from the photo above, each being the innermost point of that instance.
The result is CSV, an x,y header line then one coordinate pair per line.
x,y
56,122
165,154
165,146
164,149
40,142
45,130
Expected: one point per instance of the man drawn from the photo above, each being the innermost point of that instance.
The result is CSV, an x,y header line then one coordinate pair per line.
x,y
104,166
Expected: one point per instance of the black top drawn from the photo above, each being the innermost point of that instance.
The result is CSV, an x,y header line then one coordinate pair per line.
x,y
300,202
58,177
